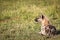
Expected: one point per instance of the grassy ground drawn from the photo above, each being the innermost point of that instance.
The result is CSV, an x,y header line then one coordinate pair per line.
x,y
17,18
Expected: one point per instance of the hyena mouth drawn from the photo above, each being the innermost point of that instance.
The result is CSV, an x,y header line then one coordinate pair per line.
x,y
36,20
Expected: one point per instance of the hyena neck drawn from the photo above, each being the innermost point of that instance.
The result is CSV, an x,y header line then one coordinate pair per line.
x,y
45,22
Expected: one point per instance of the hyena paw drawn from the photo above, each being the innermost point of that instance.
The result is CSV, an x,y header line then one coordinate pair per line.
x,y
40,33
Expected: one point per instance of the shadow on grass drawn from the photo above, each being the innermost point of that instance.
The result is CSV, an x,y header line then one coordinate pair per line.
x,y
58,32
5,18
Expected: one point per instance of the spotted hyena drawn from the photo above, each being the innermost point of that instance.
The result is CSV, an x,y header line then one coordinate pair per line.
x,y
46,27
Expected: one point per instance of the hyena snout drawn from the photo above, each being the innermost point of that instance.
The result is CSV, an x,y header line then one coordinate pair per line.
x,y
36,19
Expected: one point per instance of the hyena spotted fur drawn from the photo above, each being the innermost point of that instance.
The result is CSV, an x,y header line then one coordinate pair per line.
x,y
46,27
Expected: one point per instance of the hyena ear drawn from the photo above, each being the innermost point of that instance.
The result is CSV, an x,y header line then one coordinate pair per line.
x,y
42,16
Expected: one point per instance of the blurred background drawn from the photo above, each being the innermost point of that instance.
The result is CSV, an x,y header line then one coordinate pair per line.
x,y
17,18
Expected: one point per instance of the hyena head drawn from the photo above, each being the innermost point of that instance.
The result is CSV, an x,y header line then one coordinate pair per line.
x,y
43,20
40,18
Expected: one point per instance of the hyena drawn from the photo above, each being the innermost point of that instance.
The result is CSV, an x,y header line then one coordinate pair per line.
x,y
46,27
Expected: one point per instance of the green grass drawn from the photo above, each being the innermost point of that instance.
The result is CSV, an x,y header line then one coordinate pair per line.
x,y
17,18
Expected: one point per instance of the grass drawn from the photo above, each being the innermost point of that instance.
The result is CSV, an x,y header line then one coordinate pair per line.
x,y
17,18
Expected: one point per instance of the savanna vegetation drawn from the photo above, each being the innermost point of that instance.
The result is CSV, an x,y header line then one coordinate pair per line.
x,y
17,18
